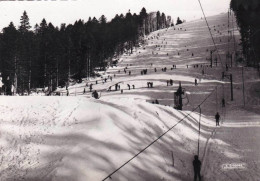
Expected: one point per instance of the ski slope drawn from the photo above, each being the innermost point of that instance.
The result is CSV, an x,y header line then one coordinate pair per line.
x,y
78,138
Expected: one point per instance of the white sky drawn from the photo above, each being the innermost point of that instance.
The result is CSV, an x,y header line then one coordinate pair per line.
x,y
69,11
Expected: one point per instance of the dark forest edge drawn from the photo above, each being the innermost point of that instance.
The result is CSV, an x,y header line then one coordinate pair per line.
x,y
247,15
49,56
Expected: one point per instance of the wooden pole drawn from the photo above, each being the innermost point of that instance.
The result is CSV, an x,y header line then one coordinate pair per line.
x,y
243,87
231,86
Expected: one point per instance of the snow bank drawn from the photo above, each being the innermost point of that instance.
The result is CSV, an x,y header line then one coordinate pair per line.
x,y
73,138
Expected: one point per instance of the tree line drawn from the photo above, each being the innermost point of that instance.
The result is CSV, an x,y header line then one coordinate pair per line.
x,y
247,14
49,56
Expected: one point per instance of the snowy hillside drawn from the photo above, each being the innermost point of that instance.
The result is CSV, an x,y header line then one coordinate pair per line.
x,y
79,138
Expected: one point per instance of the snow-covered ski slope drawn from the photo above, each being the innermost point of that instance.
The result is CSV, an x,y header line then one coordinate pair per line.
x,y
78,138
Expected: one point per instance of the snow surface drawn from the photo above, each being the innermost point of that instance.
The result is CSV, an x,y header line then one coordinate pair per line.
x,y
78,138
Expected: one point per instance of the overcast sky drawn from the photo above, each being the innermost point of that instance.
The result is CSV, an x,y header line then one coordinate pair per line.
x,y
68,11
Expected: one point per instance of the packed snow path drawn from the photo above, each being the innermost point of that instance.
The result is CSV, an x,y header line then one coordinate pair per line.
x,y
233,151
79,138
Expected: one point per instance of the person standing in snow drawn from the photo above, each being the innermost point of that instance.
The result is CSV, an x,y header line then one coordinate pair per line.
x,y
196,82
128,86
171,81
95,94
196,166
90,87
217,117
223,102
226,67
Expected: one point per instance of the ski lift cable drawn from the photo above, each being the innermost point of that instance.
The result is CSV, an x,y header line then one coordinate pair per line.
x,y
211,35
141,151
234,38
199,133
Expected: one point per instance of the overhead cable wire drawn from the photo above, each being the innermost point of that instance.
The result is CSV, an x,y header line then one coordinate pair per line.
x,y
211,34
141,151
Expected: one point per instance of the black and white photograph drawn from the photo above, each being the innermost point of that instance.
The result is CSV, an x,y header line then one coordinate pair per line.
x,y
129,90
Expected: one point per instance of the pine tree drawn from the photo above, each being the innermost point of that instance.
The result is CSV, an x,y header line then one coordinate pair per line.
x,y
143,21
24,23
178,21
158,18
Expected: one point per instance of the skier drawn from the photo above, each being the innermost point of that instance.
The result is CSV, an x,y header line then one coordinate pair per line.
x,y
223,102
95,94
90,87
226,67
196,82
133,86
196,167
156,101
128,86
84,91
217,117
67,92
171,81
